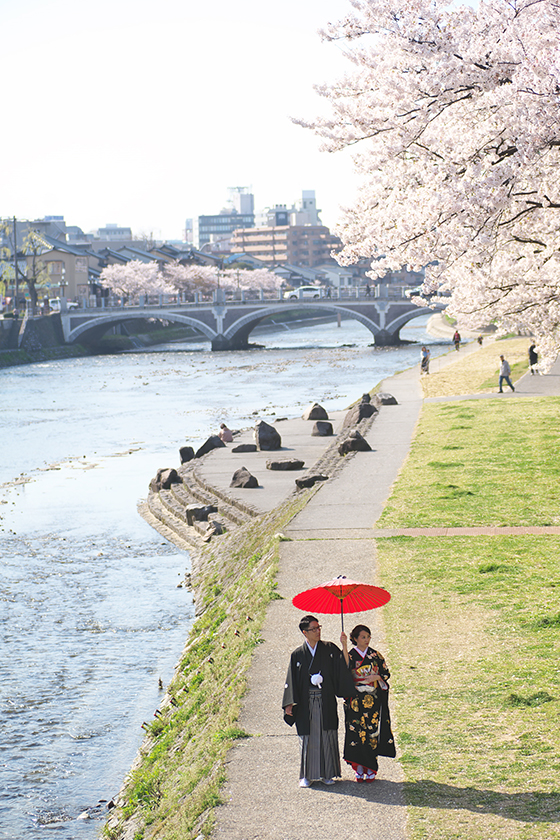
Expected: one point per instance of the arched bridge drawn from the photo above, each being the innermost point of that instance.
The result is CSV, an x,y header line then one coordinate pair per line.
x,y
228,324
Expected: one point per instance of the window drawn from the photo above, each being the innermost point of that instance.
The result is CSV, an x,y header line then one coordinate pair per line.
x,y
55,267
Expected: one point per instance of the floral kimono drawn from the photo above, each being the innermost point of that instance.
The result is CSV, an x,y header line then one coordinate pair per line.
x,y
368,724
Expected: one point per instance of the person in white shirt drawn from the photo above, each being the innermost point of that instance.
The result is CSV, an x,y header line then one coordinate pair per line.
x,y
505,373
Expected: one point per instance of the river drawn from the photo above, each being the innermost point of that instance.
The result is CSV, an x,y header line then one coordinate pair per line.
x,y
92,614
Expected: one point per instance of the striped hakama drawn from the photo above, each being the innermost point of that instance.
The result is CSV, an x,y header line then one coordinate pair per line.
x,y
320,757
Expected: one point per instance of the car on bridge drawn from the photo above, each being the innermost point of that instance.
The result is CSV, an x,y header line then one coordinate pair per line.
x,y
305,292
54,304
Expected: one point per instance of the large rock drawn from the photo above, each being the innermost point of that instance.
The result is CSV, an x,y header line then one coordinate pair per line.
x,y
245,447
164,479
186,453
310,480
387,399
285,464
199,513
214,529
354,442
358,413
213,442
243,478
322,428
315,412
266,437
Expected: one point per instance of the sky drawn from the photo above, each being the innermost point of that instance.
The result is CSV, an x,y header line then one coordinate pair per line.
x,y
143,113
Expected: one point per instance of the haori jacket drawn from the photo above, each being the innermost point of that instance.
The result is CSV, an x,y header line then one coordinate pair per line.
x,y
337,682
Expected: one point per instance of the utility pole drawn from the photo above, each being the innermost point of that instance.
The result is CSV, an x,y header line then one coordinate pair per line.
x,y
16,266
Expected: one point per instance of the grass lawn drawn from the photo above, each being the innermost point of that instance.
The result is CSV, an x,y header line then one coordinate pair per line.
x,y
484,462
473,626
477,372
474,629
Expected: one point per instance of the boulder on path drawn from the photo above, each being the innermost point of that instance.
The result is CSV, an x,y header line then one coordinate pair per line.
x,y
358,413
243,478
199,513
322,428
164,479
186,453
354,442
310,480
213,442
285,464
245,447
266,437
315,412
387,399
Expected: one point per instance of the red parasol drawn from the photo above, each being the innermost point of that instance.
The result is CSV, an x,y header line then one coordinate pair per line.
x,y
341,595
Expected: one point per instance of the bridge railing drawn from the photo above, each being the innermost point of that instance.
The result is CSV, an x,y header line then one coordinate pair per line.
x,y
240,296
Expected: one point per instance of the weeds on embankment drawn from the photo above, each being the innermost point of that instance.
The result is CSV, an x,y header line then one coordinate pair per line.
x,y
173,788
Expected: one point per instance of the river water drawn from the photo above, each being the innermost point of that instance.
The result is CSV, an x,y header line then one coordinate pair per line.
x,y
91,610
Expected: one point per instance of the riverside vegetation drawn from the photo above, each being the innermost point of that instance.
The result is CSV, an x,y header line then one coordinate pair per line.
x,y
176,782
473,628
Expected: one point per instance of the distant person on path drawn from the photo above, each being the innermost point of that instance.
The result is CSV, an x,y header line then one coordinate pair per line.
x,y
368,290
317,675
505,373
368,722
533,359
479,339
425,360
225,434
457,340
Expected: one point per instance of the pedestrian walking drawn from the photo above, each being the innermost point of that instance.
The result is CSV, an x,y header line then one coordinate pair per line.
x,y
479,339
425,360
457,339
317,675
368,290
505,373
533,359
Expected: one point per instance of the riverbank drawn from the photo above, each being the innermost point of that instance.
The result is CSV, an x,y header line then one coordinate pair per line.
x,y
180,771
317,544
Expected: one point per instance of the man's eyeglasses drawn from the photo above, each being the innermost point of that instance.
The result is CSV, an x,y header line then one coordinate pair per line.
x,y
311,629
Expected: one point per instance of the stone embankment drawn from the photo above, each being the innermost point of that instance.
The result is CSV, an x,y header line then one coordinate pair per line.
x,y
194,503
179,771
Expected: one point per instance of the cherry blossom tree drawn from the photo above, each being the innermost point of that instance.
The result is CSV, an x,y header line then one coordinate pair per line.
x,y
206,278
454,116
135,278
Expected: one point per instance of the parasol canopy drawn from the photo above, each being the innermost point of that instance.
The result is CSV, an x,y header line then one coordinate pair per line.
x,y
341,595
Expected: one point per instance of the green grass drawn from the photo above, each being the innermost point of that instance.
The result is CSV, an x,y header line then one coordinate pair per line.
x,y
474,622
474,652
487,462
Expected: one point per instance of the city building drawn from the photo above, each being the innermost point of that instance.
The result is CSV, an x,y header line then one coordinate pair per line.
x,y
308,245
114,233
240,213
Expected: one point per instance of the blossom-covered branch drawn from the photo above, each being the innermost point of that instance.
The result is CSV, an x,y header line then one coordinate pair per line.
x,y
455,115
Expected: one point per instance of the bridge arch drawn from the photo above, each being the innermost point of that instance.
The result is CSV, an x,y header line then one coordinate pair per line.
x,y
236,335
98,325
394,326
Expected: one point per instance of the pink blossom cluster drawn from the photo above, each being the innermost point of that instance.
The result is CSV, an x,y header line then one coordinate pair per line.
x,y
454,113
137,278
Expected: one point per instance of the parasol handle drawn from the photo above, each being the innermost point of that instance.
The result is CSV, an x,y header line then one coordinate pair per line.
x,y
342,612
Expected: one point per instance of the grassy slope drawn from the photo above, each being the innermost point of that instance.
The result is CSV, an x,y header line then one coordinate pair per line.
x,y
474,623
171,794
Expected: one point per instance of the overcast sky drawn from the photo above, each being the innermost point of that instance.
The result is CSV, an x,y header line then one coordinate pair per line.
x,y
143,113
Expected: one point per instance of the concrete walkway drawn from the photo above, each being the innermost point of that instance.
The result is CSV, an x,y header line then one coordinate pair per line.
x,y
333,535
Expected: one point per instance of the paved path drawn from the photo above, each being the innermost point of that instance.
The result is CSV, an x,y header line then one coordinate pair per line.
x,y
333,535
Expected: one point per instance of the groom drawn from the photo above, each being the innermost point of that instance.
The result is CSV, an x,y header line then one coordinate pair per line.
x,y
316,676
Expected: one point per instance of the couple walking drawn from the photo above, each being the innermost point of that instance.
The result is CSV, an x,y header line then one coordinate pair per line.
x,y
319,672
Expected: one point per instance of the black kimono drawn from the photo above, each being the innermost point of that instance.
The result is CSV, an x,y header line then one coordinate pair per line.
x,y
337,682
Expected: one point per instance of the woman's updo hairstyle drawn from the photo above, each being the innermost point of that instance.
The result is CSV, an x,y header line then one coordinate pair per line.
x,y
359,628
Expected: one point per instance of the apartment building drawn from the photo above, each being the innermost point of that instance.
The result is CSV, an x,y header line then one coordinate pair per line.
x,y
307,245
